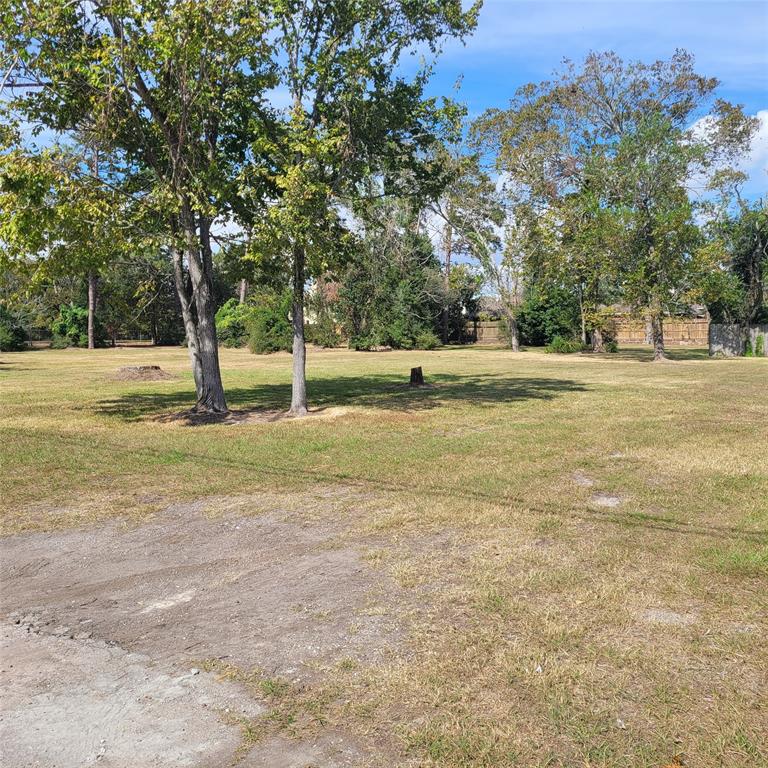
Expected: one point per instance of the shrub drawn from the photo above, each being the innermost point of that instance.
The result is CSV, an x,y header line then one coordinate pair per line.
x,y
323,333
70,328
561,345
546,313
231,320
611,346
426,340
760,345
748,351
12,334
269,329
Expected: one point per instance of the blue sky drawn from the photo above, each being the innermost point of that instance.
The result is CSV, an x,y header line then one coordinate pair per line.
x,y
519,41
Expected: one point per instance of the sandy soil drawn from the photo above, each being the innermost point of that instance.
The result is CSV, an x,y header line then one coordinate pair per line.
x,y
104,631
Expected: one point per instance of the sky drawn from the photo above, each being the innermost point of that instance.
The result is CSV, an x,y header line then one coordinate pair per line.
x,y
519,41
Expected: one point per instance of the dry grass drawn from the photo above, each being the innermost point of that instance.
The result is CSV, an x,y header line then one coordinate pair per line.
x,y
545,629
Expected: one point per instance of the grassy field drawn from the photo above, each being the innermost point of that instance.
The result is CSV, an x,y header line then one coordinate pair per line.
x,y
592,575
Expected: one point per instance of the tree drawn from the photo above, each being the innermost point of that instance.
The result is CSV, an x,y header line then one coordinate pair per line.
x,y
391,291
609,149
351,116
735,284
58,220
470,212
174,89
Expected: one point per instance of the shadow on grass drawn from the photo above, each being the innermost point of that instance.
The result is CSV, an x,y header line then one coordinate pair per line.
x,y
644,354
373,391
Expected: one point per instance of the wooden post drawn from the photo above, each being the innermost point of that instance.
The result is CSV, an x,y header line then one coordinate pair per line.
x,y
417,377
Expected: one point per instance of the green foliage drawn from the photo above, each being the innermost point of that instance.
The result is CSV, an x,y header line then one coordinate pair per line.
x,y
323,333
267,323
734,284
563,346
70,328
547,312
760,345
12,334
231,323
599,160
462,301
391,292
426,340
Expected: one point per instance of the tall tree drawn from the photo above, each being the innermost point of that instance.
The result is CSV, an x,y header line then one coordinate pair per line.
x,y
350,115
176,89
618,144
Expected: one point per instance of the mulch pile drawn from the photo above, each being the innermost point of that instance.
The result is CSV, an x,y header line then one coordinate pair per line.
x,y
142,373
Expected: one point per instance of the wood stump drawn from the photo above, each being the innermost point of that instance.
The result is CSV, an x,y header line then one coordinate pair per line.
x,y
417,377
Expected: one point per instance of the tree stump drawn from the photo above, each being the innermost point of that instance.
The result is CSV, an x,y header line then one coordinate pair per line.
x,y
417,377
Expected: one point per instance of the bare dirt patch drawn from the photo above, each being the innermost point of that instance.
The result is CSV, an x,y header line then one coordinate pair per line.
x,y
141,373
191,418
582,479
606,500
76,702
104,625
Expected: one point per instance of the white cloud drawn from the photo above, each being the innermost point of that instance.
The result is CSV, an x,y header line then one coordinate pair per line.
x,y
755,164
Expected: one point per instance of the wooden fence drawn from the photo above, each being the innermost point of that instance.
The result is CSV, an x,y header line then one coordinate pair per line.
x,y
678,331
484,332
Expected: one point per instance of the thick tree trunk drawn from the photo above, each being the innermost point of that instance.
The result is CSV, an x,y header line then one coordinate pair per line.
x,y
657,334
198,313
91,310
299,385
212,398
190,329
598,342
243,290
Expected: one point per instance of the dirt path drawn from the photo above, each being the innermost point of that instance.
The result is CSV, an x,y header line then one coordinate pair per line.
x,y
104,630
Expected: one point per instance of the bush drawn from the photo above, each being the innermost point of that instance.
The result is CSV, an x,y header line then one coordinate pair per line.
x,y
12,335
70,328
546,313
611,346
323,333
426,340
231,320
748,351
269,329
561,345
760,345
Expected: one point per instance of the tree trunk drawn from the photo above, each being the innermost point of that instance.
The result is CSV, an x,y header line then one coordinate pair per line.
x,y
582,316
299,385
657,333
598,342
190,328
448,235
92,278
198,313
243,290
648,330
514,333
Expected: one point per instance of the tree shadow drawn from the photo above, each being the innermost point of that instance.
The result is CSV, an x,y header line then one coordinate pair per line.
x,y
379,391
644,354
